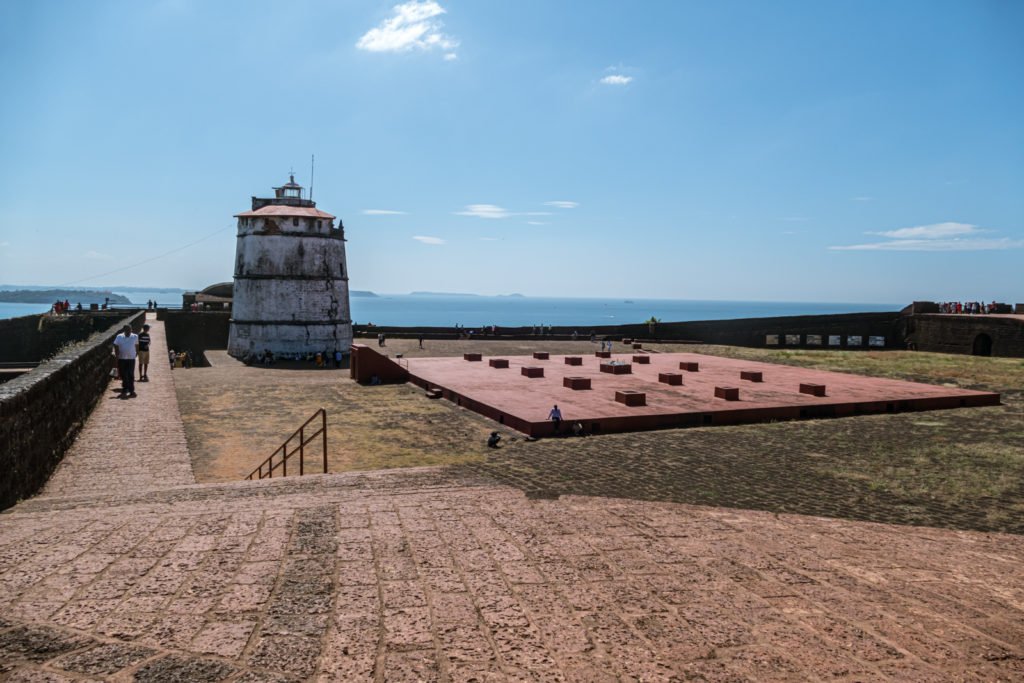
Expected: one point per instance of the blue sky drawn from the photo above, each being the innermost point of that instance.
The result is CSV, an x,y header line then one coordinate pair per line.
x,y
793,151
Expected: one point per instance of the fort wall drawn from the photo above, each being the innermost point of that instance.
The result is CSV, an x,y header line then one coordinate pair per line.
x,y
982,335
195,332
42,411
32,338
942,333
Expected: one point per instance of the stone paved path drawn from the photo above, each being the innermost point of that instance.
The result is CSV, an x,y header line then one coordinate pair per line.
x,y
417,575
132,444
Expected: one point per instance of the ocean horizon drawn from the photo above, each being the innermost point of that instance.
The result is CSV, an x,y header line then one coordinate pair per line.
x,y
443,310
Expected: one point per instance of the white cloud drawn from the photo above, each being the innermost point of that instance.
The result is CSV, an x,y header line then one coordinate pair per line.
x,y
383,212
563,205
450,56
428,240
534,223
931,232
96,256
413,26
5,244
969,244
617,79
484,211
947,236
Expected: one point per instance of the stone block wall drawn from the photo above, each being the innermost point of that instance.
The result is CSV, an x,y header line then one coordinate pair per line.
x,y
195,332
42,411
31,338
738,332
966,334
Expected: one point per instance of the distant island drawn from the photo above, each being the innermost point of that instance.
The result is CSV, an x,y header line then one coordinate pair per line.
x,y
47,296
361,292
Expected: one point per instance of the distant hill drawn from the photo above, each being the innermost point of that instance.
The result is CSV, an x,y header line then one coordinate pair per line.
x,y
440,294
361,292
46,296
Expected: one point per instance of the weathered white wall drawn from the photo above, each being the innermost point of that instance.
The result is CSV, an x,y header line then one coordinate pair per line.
x,y
287,273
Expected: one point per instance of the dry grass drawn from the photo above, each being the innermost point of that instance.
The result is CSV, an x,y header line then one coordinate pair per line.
x,y
960,468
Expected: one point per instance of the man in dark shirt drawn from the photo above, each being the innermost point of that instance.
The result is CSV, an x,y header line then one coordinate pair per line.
x,y
144,354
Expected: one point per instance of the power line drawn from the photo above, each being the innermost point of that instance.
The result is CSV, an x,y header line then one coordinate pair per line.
x,y
149,260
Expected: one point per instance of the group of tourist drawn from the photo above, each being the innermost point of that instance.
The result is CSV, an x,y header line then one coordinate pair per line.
x,y
322,359
62,307
967,307
181,359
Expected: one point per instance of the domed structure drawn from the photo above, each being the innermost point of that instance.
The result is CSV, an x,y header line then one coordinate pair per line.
x,y
291,278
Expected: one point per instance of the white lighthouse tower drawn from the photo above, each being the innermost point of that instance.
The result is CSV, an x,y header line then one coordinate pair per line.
x,y
291,278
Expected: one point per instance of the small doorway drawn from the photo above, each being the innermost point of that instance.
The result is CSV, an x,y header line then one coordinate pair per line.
x,y
982,345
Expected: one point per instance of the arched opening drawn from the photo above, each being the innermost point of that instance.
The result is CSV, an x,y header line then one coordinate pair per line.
x,y
982,345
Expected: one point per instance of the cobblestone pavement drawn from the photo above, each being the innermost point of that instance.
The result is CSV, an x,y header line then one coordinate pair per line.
x,y
129,444
427,574
415,576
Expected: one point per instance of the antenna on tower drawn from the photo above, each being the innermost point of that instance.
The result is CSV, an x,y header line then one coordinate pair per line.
x,y
312,165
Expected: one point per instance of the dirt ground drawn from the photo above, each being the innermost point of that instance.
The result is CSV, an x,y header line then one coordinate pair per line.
x,y
960,468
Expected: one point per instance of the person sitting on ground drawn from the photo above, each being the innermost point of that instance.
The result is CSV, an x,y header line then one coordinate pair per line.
x,y
577,429
493,439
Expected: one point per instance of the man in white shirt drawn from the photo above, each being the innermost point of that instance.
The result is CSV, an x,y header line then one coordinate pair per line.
x,y
555,416
126,348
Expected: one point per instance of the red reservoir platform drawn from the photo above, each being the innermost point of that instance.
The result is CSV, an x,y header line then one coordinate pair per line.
x,y
723,391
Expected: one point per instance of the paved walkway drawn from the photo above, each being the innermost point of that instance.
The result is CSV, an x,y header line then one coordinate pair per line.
x,y
129,445
415,575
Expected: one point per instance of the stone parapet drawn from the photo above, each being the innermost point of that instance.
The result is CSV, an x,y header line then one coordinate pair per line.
x,y
42,411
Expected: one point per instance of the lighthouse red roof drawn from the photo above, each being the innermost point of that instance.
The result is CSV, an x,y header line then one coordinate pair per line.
x,y
285,210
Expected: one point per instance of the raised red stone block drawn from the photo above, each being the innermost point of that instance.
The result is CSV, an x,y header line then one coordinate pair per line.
x,y
642,360
631,398
617,368
532,371
689,366
540,355
670,378
728,393
573,360
637,345
498,362
812,389
576,382
472,356
603,354
752,375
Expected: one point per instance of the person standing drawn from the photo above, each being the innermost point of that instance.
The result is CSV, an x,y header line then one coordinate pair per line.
x,y
144,354
556,417
126,348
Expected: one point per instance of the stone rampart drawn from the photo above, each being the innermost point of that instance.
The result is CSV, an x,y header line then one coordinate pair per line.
x,y
32,338
798,331
980,335
42,411
195,332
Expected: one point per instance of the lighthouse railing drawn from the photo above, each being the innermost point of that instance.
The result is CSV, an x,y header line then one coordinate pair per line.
x,y
286,450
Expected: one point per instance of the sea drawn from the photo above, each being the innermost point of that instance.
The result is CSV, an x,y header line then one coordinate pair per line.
x,y
477,311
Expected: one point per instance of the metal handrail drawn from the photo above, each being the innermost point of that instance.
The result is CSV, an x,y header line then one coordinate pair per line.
x,y
269,463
